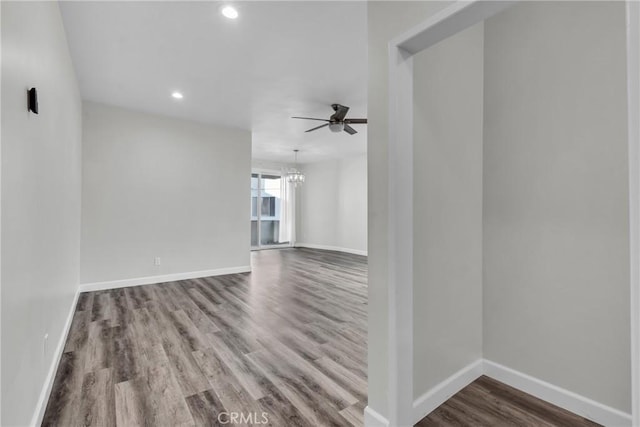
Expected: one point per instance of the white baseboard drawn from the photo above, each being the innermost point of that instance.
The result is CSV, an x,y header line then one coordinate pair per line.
x,y
38,414
331,248
374,419
150,280
580,405
566,399
41,406
439,394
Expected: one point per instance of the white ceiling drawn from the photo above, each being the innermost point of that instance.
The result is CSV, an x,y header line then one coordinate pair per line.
x,y
277,60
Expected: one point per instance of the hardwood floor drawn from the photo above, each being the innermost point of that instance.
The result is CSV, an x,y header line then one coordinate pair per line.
x,y
285,344
487,402
282,346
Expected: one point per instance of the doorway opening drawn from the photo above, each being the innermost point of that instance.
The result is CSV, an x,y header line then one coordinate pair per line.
x,y
450,21
267,204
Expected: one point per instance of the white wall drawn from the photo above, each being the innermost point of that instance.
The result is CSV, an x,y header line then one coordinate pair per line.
x,y
554,221
447,290
40,200
556,273
386,19
332,204
268,165
160,187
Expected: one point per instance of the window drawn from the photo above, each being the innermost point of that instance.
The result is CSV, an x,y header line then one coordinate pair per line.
x,y
265,221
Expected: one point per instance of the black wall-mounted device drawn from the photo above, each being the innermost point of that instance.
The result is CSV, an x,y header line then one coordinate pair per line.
x,y
33,100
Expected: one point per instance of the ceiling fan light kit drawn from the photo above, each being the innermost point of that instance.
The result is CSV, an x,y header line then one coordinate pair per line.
x,y
336,127
338,121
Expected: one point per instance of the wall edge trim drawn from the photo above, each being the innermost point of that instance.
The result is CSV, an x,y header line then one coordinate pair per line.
x,y
152,280
573,402
558,396
436,396
47,387
331,248
372,418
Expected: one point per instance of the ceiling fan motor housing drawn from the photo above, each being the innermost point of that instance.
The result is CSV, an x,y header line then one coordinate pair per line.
x,y
336,127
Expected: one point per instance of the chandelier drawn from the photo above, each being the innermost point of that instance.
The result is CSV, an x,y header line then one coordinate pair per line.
x,y
295,176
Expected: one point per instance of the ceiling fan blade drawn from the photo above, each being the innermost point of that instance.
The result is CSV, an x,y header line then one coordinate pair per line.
x,y
348,129
318,127
340,112
356,121
310,118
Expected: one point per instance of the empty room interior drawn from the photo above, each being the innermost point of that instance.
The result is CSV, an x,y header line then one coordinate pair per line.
x,y
320,213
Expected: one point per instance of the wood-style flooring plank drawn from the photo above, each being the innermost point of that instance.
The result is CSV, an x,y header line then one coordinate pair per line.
x,y
98,399
153,399
487,402
233,396
313,408
79,331
288,340
241,369
85,301
354,414
101,307
206,408
98,353
129,362
130,406
66,394
346,379
281,412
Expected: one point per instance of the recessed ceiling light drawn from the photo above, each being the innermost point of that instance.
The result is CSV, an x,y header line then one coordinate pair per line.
x,y
230,12
177,95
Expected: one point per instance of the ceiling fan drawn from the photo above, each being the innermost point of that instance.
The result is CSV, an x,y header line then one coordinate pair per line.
x,y
338,121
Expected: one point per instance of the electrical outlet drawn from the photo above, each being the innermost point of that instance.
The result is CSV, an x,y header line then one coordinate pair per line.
x,y
156,260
